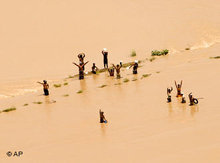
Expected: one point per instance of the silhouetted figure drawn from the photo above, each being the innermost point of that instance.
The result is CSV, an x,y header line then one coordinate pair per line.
x,y
45,87
192,100
183,98
105,57
169,90
81,57
117,68
135,67
178,87
81,70
94,68
111,71
102,117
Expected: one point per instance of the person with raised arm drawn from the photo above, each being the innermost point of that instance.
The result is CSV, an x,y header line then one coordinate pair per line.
x,y
45,87
135,67
117,68
81,57
179,87
105,57
81,70
111,71
169,90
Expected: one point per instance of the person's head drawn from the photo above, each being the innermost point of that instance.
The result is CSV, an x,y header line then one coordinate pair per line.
x,y
93,64
45,82
117,65
178,85
105,49
136,61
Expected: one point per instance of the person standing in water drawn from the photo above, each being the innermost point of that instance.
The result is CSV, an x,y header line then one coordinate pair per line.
x,y
192,100
135,67
117,68
81,70
45,87
111,71
94,68
178,87
81,57
169,90
102,117
105,57
183,98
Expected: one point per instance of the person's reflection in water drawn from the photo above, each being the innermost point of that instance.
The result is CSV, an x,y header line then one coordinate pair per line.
x,y
103,129
170,109
47,100
193,110
83,85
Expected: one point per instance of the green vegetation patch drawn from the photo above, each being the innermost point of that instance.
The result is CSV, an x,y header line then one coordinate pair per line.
x,y
134,79
9,109
25,105
38,102
57,85
187,48
126,80
146,75
152,59
159,53
133,53
65,84
66,95
217,57
102,86
80,91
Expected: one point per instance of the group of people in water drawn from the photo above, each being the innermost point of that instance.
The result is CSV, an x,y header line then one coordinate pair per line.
x,y
81,67
192,100
111,70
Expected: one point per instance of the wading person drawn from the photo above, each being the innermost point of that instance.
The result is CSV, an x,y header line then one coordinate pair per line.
x,y
178,87
81,57
169,90
117,68
183,98
135,67
94,68
105,57
81,70
102,117
45,87
111,71
192,100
